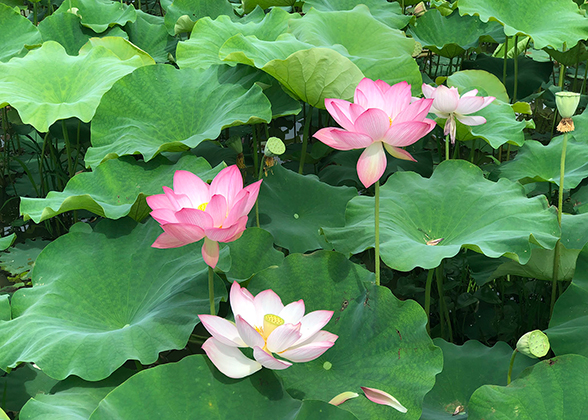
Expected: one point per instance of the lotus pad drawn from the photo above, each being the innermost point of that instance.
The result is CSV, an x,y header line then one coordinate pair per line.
x,y
458,205
119,299
386,12
538,163
17,32
115,189
382,341
293,207
548,22
195,9
99,15
6,241
149,34
554,389
132,118
48,85
20,259
65,29
251,253
249,5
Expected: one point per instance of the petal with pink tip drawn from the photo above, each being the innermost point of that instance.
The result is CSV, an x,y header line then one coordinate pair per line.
x,y
210,252
241,225
472,92
229,360
292,312
164,216
399,153
165,240
319,337
428,91
242,303
160,201
249,334
342,140
397,98
406,133
183,232
371,164
225,234
446,99
227,183
238,209
253,190
269,361
380,397
450,128
190,185
224,331
416,111
217,209
267,302
470,104
374,123
178,201
312,323
283,337
471,119
339,110
368,94
194,217
307,352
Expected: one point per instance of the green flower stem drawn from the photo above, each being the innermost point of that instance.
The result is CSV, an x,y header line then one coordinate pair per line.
x,y
377,226
504,64
428,298
583,87
254,150
305,139
211,289
562,168
447,157
67,148
261,164
443,310
512,359
516,69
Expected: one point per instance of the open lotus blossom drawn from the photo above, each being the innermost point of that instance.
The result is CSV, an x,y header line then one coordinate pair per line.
x,y
448,104
194,210
263,323
382,116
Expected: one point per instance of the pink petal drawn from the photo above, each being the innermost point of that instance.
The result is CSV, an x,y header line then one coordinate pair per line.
x,y
374,123
190,185
227,183
397,98
241,225
164,216
160,201
269,361
267,302
399,153
165,240
371,164
446,99
416,111
183,232
472,92
227,234
229,360
406,133
428,91
342,140
471,119
224,331
194,217
381,397
339,110
319,337
312,324
368,94
469,104
242,304
253,190
292,312
210,252
239,208
217,209
283,337
450,128
177,201
307,352
249,334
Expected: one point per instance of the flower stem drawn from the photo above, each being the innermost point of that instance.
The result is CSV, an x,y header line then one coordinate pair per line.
x,y
211,289
254,151
447,157
443,310
67,148
377,226
305,134
562,169
428,298
261,164
512,359
516,69
504,64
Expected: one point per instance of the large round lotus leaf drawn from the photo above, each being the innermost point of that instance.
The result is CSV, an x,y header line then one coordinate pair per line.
x,y
48,85
251,253
465,369
386,12
486,83
379,51
123,49
250,5
118,299
554,389
17,32
72,399
568,327
115,189
208,36
538,163
294,207
65,29
457,207
450,36
23,383
570,57
132,117
195,9
6,241
549,22
149,34
99,15
382,341
194,389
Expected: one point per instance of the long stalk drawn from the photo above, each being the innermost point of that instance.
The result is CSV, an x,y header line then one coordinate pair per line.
x,y
377,227
428,297
254,150
447,140
505,62
261,164
512,359
305,139
67,148
585,77
211,290
516,69
443,311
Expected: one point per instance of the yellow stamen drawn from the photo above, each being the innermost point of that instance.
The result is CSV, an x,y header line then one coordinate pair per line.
x,y
202,206
390,118
270,323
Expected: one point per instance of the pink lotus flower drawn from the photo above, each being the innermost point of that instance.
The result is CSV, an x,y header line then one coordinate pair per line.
x,y
263,323
448,104
382,116
194,210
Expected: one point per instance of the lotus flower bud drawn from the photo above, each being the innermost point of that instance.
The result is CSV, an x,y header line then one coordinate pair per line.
x,y
420,9
274,147
235,143
183,24
534,344
567,103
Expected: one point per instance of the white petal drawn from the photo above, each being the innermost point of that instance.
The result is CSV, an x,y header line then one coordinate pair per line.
x,y
268,302
381,397
269,361
470,119
292,312
242,303
249,334
283,337
223,330
307,352
229,360
312,323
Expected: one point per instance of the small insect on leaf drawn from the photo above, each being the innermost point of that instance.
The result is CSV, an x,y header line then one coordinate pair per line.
x,y
458,410
434,242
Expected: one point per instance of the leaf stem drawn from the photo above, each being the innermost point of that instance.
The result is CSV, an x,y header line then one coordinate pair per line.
x,y
447,157
428,298
505,62
516,69
67,148
512,359
377,227
254,151
443,310
211,289
305,139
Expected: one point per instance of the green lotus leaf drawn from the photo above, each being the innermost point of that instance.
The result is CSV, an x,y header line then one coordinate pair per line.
x,y
115,189
3,415
386,12
465,369
451,36
195,9
99,15
568,327
208,36
571,57
120,300
486,83
579,199
379,51
66,29
72,399
250,5
20,259
123,49
382,341
149,34
293,207
23,383
7,241
581,125
199,103
252,253
48,85
538,163
554,389
492,218
550,23
17,32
